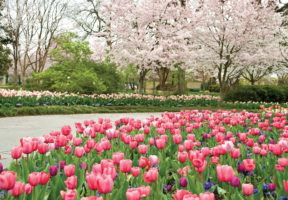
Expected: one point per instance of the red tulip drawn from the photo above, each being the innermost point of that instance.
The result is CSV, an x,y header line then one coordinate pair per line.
x,y
68,149
69,195
117,157
79,152
16,152
69,170
247,189
143,162
249,164
285,186
44,178
151,175
17,189
66,130
7,180
42,148
125,166
104,184
34,178
71,182
225,173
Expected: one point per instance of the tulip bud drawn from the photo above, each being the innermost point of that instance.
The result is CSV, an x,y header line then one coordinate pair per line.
x,y
53,170
183,182
235,182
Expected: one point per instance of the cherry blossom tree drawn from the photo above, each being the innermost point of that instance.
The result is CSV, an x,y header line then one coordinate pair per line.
x,y
151,34
234,35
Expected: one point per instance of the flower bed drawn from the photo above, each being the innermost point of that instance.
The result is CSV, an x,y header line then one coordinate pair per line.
x,y
185,155
26,98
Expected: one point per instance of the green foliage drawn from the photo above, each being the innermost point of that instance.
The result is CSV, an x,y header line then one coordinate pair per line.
x,y
266,93
71,71
5,61
108,74
214,88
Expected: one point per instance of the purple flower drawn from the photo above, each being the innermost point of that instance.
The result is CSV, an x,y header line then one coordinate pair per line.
x,y
1,167
169,187
53,170
84,165
272,187
62,164
183,182
235,182
240,168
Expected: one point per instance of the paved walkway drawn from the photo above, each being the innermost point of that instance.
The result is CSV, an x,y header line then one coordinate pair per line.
x,y
14,128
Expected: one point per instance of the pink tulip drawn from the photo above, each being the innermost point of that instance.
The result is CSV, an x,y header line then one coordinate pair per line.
x,y
42,148
79,152
71,182
69,195
247,189
104,184
283,161
117,157
249,164
125,166
153,160
34,178
28,188
7,180
44,178
69,170
225,173
135,171
17,189
91,181
16,152
142,148
151,175
206,196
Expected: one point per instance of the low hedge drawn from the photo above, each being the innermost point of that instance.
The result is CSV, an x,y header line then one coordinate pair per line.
x,y
258,93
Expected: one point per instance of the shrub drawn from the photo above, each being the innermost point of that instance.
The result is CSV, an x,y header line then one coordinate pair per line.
x,y
214,88
266,93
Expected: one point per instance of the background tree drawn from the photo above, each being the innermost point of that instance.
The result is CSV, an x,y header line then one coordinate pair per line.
x,y
5,61
71,71
32,25
229,31
149,34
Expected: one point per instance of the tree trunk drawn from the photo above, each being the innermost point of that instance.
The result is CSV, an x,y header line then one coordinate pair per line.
x,y
154,86
163,75
23,80
141,83
181,80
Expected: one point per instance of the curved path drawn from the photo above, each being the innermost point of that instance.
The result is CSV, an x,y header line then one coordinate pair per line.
x,y
14,128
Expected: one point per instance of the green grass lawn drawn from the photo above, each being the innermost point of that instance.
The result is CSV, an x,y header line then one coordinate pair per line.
x,y
49,110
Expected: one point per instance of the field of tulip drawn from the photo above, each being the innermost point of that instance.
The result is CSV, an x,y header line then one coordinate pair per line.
x,y
189,155
21,98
